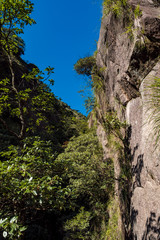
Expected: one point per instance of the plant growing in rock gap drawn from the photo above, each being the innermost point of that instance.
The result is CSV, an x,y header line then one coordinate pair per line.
x,y
137,12
115,6
113,125
152,91
122,9
87,67
84,66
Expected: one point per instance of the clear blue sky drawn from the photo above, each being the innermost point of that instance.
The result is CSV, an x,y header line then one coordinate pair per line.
x,y
65,31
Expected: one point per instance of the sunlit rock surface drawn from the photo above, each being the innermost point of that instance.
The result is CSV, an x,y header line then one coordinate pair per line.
x,y
130,61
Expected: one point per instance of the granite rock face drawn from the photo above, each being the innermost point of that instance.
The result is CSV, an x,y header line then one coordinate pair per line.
x,y
131,61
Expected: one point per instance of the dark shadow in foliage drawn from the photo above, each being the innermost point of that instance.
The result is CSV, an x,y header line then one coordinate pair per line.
x,y
44,226
6,139
36,232
152,228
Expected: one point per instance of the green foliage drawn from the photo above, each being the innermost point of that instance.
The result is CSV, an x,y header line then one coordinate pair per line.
x,y
122,8
113,231
95,53
77,183
79,225
12,229
118,144
28,107
97,79
115,6
89,103
85,65
77,124
14,14
129,30
137,12
17,40
131,15
90,181
113,125
28,183
33,100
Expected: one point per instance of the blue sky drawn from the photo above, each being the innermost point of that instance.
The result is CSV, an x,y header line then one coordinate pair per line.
x,y
65,31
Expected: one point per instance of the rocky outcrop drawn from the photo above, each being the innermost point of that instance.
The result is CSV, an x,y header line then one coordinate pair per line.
x,y
129,53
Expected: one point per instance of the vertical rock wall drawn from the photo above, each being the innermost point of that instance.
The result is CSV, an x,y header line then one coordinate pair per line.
x,y
130,60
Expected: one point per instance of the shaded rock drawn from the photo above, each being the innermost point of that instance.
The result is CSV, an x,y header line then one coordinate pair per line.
x,y
152,28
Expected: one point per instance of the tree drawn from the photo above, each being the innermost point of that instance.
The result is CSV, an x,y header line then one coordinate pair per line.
x,y
86,66
28,185
14,14
22,89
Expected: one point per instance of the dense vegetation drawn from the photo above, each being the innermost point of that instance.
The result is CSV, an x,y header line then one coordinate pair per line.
x,y
72,188
54,183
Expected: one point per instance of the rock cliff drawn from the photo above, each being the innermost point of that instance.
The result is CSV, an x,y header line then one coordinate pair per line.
x,y
128,56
